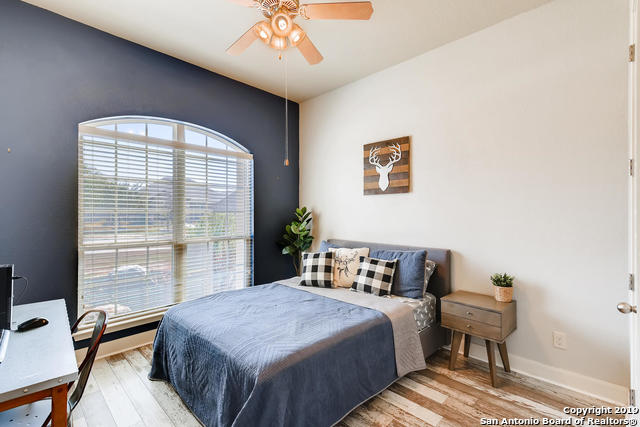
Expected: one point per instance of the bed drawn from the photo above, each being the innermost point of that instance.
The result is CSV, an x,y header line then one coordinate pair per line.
x,y
282,354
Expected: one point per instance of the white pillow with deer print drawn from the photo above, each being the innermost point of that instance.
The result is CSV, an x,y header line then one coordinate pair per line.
x,y
345,265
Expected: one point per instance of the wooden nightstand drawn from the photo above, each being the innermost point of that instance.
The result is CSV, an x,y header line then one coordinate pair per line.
x,y
471,314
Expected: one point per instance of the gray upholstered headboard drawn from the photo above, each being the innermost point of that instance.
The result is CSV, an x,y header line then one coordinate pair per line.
x,y
440,282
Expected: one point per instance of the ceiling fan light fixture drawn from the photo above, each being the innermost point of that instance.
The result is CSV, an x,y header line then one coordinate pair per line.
x,y
296,35
278,43
279,32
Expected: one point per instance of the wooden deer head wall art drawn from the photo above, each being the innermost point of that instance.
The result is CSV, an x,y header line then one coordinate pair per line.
x,y
386,166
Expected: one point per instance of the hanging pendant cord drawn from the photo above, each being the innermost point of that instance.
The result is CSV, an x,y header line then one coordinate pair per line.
x,y
286,113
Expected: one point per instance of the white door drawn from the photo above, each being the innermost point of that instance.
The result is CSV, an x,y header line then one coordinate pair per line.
x,y
629,308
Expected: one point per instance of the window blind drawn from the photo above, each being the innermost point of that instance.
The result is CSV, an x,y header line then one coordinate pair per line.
x,y
165,215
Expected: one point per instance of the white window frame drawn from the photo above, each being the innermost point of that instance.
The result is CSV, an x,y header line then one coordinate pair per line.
x,y
177,142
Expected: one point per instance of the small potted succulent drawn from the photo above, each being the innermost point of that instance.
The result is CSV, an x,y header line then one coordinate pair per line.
x,y
502,287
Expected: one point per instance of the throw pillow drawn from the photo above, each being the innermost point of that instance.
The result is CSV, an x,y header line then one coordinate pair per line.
x,y
374,276
317,269
409,277
345,265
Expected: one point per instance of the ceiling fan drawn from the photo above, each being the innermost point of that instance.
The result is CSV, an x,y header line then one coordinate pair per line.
x,y
279,31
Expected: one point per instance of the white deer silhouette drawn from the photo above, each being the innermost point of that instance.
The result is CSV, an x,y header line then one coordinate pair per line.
x,y
383,171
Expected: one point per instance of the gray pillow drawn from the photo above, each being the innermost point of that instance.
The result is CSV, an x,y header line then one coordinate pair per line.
x,y
409,276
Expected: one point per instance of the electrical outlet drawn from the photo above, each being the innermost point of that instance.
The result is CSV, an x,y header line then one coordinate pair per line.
x,y
560,340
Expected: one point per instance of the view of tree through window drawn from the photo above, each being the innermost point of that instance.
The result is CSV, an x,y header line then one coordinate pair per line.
x,y
165,214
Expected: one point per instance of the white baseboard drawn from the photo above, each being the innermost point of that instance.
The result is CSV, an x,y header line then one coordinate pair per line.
x,y
603,390
120,345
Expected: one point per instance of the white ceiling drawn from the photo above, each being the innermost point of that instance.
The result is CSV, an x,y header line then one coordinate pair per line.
x,y
199,31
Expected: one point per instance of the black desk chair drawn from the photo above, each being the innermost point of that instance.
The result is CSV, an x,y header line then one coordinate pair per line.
x,y
31,414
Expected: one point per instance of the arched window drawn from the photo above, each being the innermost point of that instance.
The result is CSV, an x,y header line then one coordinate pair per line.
x,y
165,214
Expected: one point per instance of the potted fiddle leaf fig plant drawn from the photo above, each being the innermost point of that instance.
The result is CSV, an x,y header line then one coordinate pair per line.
x,y
502,287
297,237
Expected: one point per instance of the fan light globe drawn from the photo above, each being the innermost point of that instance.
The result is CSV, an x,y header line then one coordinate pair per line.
x,y
281,23
278,43
296,35
264,32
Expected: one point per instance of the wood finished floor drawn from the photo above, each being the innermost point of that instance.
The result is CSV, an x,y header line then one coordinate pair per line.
x,y
119,394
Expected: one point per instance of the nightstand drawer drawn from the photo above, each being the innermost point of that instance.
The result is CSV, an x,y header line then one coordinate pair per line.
x,y
471,313
471,327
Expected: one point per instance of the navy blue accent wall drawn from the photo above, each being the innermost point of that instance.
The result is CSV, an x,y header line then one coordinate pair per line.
x,y
56,73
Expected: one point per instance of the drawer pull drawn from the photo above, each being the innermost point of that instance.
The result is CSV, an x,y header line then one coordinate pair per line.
x,y
469,327
469,313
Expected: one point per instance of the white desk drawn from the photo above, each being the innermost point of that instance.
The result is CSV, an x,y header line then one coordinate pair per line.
x,y
40,362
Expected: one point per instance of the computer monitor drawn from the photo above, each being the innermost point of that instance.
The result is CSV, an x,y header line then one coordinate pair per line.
x,y
6,296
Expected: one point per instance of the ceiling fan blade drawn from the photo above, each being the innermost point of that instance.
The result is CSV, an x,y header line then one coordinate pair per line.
x,y
309,51
247,3
349,10
243,42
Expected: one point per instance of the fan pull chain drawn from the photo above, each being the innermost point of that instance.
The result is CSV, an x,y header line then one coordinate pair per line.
x,y
286,114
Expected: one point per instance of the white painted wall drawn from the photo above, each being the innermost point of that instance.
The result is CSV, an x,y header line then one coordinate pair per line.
x,y
519,165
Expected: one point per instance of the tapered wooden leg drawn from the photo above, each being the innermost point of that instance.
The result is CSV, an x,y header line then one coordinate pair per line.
x,y
502,348
491,357
467,343
455,347
59,406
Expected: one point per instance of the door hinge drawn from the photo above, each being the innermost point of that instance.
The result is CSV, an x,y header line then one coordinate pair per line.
x,y
632,52
630,167
631,282
632,397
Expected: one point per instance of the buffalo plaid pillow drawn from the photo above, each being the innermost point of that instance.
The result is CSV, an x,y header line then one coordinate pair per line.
x,y
317,269
374,276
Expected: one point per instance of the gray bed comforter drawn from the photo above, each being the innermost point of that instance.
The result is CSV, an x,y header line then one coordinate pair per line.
x,y
309,360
